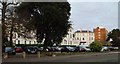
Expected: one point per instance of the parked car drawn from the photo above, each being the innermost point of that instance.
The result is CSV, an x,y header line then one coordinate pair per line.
x,y
57,48
82,49
79,49
40,49
49,49
31,50
18,49
111,48
104,48
10,50
86,48
67,49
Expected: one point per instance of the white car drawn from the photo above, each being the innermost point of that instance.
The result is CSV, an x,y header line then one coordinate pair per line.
x,y
87,48
104,48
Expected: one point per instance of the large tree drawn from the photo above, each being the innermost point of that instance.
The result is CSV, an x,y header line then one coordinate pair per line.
x,y
115,36
5,8
50,19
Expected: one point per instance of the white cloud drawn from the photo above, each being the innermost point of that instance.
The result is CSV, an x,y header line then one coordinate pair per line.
x,y
93,0
88,15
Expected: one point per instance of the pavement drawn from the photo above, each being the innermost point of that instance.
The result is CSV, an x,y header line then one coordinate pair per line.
x,y
96,57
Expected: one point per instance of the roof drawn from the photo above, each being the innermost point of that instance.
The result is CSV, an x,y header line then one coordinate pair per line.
x,y
83,31
100,27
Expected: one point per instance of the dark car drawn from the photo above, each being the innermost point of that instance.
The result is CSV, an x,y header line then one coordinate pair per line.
x,y
79,49
50,49
40,49
10,50
57,48
111,48
67,49
18,49
31,50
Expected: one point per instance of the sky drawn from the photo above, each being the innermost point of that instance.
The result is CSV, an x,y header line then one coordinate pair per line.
x,y
88,15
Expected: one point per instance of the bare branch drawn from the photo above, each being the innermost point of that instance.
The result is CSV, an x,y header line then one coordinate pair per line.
x,y
11,4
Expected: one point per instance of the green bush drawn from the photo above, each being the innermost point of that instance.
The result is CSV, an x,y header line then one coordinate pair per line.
x,y
96,46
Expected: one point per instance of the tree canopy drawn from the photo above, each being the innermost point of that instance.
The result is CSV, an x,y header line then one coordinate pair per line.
x,y
49,19
115,36
96,46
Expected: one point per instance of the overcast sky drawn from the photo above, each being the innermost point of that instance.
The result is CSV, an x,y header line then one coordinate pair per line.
x,y
87,15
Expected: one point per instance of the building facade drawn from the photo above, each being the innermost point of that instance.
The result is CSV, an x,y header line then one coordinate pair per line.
x,y
68,40
30,39
83,37
100,34
80,37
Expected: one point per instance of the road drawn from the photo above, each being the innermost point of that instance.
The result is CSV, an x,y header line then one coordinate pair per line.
x,y
96,57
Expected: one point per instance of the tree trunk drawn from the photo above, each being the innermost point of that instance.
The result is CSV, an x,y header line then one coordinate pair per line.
x,y
3,22
11,35
11,31
46,42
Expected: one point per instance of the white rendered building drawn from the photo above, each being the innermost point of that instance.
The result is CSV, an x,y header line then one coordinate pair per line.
x,y
18,39
80,37
68,40
83,37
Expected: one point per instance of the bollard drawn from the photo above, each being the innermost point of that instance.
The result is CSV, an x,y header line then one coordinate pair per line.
x,y
38,54
5,56
24,55
53,55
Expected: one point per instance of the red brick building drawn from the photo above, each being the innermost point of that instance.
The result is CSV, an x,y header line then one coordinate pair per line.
x,y
100,34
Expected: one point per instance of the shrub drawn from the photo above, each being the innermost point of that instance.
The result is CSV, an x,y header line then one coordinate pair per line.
x,y
96,46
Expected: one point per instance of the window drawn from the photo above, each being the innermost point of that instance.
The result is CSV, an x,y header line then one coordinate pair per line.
x,y
18,41
98,37
65,41
98,34
30,42
98,29
70,30
34,42
77,38
91,38
83,39
25,42
73,35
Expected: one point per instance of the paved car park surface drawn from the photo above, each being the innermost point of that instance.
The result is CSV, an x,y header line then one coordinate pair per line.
x,y
96,57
